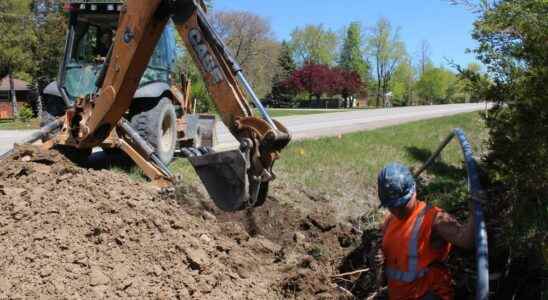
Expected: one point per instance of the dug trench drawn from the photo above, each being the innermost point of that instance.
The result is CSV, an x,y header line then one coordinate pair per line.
x,y
76,233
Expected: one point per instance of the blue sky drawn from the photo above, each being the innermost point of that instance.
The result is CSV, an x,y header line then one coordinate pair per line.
x,y
446,27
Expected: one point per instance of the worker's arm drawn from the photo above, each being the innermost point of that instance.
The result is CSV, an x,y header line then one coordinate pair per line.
x,y
449,229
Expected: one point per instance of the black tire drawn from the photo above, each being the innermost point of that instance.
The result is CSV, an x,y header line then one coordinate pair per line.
x,y
158,126
52,108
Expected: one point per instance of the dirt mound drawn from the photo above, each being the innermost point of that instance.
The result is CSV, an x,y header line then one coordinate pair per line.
x,y
69,232
76,233
313,244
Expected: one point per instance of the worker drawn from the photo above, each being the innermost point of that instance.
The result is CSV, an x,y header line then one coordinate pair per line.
x,y
417,239
104,44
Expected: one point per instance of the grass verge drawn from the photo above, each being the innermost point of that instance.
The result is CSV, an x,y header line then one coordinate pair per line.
x,y
343,169
19,125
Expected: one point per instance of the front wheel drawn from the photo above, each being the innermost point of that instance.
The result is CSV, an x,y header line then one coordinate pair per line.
x,y
158,126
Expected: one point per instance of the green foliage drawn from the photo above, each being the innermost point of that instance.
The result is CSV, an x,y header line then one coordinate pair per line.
x,y
403,83
285,68
204,103
17,37
50,40
439,86
25,113
474,83
512,39
314,44
29,50
387,50
352,51
286,63
199,92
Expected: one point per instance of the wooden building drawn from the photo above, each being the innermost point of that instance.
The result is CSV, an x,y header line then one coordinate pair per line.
x,y
23,93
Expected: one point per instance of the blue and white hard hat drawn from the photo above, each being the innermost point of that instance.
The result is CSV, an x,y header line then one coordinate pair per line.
x,y
396,185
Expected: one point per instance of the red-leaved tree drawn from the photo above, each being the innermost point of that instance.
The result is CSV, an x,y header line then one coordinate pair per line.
x,y
315,79
346,83
321,79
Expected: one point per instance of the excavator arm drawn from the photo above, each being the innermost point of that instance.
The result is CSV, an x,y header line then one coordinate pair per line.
x,y
234,179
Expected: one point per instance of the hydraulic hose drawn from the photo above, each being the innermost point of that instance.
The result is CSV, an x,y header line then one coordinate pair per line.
x,y
475,190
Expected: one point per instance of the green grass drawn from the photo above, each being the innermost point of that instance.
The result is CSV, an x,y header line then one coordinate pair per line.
x,y
19,125
344,170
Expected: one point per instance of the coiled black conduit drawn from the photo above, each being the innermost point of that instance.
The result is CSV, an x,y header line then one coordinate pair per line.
x,y
475,190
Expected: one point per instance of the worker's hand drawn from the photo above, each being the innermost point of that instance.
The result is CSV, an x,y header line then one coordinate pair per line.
x,y
380,279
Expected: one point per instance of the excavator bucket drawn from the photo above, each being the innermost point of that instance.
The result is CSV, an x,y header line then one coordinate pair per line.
x,y
224,175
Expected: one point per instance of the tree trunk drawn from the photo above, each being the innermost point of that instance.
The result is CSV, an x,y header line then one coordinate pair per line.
x,y
378,92
13,97
384,91
39,105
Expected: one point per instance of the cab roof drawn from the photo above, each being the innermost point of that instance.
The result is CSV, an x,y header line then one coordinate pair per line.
x,y
94,6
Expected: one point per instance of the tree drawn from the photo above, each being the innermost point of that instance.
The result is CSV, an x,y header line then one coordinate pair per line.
x,y
50,35
43,8
387,49
281,89
474,82
512,39
251,40
16,42
317,80
314,45
286,63
403,83
424,56
352,51
437,86
345,83
314,79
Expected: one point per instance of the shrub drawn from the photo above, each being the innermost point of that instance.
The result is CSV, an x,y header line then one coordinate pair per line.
x,y
25,113
512,37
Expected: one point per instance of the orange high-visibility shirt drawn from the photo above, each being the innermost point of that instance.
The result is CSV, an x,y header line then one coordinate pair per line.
x,y
410,259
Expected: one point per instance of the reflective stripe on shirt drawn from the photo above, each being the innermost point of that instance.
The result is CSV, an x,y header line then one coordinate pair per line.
x,y
413,257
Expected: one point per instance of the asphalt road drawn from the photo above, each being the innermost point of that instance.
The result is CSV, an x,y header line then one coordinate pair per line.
x,y
317,125
332,124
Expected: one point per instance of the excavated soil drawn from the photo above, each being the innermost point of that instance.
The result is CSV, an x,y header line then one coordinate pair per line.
x,y
70,232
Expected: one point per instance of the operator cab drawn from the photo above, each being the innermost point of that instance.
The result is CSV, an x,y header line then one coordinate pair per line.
x,y
93,27
155,110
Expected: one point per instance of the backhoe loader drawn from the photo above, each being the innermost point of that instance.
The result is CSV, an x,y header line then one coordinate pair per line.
x,y
162,110
102,115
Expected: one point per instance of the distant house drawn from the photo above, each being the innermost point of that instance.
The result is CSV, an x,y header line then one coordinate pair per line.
x,y
23,93
362,102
